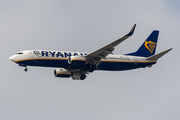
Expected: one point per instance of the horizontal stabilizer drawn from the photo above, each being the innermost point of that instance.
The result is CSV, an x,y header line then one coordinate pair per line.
x,y
157,56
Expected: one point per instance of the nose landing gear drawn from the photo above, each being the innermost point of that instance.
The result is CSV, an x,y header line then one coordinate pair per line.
x,y
26,69
23,65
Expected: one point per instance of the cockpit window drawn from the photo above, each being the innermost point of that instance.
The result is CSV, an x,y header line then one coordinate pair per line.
x,y
19,53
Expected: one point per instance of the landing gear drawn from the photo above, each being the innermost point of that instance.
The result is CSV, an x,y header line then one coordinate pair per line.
x,y
26,69
91,68
83,76
24,65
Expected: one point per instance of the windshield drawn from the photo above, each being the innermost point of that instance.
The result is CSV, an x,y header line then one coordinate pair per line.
x,y
19,53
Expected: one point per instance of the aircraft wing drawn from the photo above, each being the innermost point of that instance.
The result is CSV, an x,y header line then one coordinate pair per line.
x,y
95,57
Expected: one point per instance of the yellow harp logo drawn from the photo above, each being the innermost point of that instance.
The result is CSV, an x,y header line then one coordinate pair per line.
x,y
150,46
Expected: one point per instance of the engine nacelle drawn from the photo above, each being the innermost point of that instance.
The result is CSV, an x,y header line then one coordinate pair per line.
x,y
62,73
77,60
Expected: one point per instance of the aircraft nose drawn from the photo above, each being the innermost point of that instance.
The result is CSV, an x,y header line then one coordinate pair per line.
x,y
12,58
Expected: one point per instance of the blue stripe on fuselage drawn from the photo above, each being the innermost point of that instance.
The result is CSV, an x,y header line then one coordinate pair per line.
x,y
118,66
104,65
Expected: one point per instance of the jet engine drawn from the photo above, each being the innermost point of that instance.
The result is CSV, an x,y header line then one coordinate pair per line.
x,y
62,73
77,60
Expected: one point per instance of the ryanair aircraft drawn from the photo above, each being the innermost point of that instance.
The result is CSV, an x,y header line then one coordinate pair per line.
x,y
78,64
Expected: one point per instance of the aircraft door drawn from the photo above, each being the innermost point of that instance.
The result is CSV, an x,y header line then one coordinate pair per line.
x,y
31,55
135,61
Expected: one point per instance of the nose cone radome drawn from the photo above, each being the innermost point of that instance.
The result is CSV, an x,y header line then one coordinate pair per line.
x,y
12,58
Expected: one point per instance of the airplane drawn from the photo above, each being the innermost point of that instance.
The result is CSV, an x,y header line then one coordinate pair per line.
x,y
78,64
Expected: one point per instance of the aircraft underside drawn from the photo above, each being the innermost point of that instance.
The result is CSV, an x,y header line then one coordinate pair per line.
x,y
110,66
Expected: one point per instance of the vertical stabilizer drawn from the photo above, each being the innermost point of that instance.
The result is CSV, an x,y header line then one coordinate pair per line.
x,y
148,48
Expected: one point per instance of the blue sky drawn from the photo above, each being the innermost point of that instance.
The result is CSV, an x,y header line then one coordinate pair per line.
x,y
86,26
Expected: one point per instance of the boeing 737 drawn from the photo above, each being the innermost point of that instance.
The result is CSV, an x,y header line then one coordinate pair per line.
x,y
78,64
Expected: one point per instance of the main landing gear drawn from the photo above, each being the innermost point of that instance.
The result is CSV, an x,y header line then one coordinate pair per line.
x,y
83,76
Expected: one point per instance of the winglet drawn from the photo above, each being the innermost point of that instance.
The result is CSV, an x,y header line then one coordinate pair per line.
x,y
132,30
157,56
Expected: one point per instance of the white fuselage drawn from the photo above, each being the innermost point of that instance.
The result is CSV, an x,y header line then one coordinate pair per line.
x,y
49,58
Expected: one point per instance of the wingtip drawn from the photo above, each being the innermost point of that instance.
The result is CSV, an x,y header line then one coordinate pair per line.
x,y
170,49
132,30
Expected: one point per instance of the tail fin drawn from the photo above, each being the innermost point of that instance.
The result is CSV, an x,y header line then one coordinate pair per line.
x,y
148,48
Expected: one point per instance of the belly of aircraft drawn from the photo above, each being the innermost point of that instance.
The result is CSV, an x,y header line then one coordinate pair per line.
x,y
111,66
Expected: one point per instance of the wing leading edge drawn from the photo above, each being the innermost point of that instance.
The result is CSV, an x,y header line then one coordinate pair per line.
x,y
95,57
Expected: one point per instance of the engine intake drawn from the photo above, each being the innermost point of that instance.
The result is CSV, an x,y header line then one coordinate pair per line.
x,y
77,60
